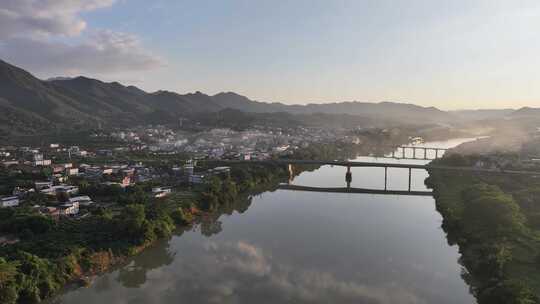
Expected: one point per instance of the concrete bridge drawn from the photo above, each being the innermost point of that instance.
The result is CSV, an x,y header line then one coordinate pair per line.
x,y
352,190
350,164
439,152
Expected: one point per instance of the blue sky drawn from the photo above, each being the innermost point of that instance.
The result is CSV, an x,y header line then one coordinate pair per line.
x,y
448,54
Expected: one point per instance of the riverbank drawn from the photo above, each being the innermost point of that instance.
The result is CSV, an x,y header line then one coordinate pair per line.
x,y
494,221
50,255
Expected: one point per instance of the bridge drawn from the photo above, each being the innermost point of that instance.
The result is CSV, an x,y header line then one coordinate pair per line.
x,y
350,164
352,190
438,152
356,164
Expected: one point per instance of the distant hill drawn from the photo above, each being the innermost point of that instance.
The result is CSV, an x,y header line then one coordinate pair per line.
x,y
34,106
58,78
472,115
401,112
526,112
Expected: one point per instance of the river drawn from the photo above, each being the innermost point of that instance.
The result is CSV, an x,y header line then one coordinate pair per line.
x,y
302,247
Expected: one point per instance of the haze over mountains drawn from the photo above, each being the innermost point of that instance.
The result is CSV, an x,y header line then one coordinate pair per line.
x,y
34,106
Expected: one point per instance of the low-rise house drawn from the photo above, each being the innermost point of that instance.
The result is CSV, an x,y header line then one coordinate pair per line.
x,y
161,191
107,171
42,185
219,171
83,200
8,163
69,208
9,201
161,194
126,181
72,171
60,178
22,192
50,211
104,152
71,190
8,240
66,165
58,169
43,162
128,172
196,178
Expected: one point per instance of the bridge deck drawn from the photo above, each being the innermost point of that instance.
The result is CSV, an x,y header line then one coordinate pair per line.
x,y
353,190
381,165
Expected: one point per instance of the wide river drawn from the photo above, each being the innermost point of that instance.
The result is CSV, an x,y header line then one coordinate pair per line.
x,y
302,247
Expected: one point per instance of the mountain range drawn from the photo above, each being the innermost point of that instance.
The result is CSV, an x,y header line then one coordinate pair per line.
x,y
34,106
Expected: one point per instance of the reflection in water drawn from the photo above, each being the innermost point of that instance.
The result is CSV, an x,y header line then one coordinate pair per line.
x,y
210,224
299,247
134,274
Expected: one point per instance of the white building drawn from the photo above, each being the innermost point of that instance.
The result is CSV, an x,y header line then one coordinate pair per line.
x,y
161,191
81,200
9,201
42,185
72,171
71,190
69,208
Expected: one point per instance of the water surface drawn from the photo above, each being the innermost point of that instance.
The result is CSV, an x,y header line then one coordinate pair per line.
x,y
302,247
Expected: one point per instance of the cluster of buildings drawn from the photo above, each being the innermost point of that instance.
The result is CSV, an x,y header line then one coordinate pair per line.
x,y
221,143
64,164
61,196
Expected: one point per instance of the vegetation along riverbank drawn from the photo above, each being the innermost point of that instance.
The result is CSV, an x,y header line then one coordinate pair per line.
x,y
495,221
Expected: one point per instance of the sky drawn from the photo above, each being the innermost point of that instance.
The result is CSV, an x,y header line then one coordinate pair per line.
x,y
459,54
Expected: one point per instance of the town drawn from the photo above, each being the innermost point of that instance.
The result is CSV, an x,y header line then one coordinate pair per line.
x,y
59,180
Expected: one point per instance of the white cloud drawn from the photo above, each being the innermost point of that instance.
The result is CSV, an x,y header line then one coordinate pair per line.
x,y
29,32
105,52
45,17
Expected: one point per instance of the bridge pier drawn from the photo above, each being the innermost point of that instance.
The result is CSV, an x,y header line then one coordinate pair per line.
x,y
414,153
425,153
348,177
291,172
410,175
385,178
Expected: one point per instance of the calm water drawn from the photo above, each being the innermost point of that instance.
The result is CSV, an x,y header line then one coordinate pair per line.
x,y
302,247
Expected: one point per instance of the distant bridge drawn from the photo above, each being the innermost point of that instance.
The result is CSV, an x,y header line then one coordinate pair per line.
x,y
438,152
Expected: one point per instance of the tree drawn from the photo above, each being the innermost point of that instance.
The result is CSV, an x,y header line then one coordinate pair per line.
x,y
8,270
508,292
62,197
489,211
133,221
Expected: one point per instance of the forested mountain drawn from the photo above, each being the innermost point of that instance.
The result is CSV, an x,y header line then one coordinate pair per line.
x,y
33,106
